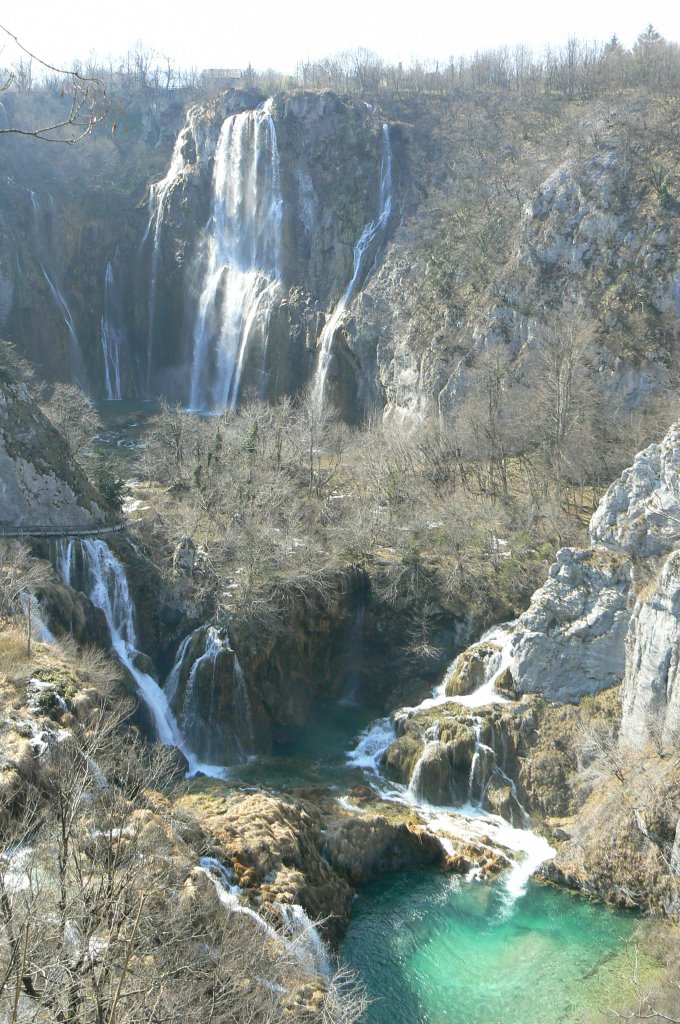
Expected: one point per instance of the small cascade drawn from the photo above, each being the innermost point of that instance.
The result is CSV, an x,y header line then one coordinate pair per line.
x,y
353,654
481,767
243,254
112,338
415,786
202,717
371,745
213,866
158,201
470,822
301,938
304,940
46,263
228,895
364,250
498,661
34,618
106,584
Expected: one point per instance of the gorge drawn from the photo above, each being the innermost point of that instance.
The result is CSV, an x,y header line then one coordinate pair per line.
x,y
390,663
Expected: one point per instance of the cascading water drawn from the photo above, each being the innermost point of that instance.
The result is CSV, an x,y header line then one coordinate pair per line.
x,y
305,941
159,195
203,723
469,822
46,263
107,587
301,937
112,338
243,254
364,250
354,646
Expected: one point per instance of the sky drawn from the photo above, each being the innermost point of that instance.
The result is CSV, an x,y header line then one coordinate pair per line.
x,y
266,33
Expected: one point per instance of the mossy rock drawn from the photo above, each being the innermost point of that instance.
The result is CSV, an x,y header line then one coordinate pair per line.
x,y
505,684
469,670
61,679
401,757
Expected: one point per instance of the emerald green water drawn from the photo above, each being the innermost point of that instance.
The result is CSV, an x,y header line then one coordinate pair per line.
x,y
434,949
315,755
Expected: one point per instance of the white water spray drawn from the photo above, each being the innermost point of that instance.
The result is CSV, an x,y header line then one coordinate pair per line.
x,y
108,590
111,336
363,251
243,253
46,264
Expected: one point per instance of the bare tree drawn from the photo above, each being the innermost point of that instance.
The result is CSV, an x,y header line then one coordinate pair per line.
x,y
85,99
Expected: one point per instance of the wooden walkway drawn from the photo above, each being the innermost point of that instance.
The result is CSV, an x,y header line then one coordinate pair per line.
x,y
60,531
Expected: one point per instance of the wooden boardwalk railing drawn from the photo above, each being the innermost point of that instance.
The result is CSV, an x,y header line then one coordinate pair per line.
x,y
60,531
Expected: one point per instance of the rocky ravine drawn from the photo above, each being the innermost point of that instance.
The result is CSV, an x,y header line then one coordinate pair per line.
x,y
590,733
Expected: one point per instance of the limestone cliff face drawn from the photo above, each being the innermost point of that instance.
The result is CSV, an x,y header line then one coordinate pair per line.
x,y
592,230
651,684
302,177
108,256
39,483
591,624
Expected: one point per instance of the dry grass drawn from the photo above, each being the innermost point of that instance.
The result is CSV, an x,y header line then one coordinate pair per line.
x,y
87,667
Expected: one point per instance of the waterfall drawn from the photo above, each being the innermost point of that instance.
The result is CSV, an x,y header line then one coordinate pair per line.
x,y
243,252
354,647
415,792
372,234
107,587
201,719
158,202
470,823
305,941
111,338
301,937
45,262
33,613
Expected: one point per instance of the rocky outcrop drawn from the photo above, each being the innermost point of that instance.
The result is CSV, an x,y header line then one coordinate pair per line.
x,y
590,623
40,485
570,641
651,684
362,849
639,512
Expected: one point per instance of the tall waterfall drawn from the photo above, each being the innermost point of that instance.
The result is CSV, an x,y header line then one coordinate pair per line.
x,y
111,338
158,201
364,251
107,588
243,253
42,227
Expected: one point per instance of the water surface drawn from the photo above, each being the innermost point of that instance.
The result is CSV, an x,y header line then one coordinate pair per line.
x,y
434,949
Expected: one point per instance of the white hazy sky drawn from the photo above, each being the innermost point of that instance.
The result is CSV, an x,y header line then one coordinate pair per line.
x,y
266,33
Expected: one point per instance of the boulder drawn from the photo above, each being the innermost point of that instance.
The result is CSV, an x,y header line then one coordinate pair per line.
x,y
364,848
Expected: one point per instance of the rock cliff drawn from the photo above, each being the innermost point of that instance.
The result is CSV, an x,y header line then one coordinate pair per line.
x,y
39,483
601,771
116,290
